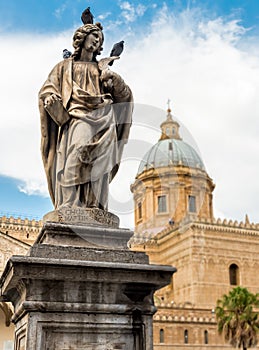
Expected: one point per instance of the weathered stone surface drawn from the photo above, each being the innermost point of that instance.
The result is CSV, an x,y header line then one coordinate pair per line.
x,y
82,297
84,236
80,304
87,254
79,215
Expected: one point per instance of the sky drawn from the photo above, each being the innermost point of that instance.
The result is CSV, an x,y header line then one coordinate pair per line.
x,y
202,55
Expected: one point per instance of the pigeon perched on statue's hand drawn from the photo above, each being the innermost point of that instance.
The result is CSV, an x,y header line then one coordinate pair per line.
x,y
66,53
116,50
87,17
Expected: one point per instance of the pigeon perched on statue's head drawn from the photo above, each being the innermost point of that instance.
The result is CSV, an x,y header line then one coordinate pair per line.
x,y
87,17
66,53
117,50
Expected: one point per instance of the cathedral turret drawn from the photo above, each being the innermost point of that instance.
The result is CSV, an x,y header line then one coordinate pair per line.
x,y
171,182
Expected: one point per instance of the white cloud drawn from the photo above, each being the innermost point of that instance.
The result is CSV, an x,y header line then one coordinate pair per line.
x,y
131,12
104,16
206,68
23,71
60,10
33,187
229,32
140,10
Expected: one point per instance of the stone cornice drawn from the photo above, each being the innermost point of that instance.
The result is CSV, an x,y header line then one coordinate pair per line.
x,y
224,225
218,225
177,314
19,224
183,318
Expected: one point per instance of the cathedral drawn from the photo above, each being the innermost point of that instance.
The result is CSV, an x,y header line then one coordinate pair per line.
x,y
174,225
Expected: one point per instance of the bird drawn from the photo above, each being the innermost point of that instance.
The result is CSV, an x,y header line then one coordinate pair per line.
x,y
87,17
66,53
116,50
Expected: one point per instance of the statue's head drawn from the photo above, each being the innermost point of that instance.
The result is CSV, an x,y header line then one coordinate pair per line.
x,y
80,35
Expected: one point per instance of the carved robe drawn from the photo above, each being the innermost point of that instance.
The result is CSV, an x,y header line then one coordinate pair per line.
x,y
82,146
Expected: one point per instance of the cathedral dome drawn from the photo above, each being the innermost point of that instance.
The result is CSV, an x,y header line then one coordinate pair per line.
x,y
171,184
170,151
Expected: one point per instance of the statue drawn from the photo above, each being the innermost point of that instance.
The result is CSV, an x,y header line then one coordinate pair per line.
x,y
86,112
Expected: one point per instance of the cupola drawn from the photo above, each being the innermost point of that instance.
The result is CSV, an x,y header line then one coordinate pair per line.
x,y
171,182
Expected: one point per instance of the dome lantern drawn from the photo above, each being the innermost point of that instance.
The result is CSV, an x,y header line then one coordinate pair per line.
x,y
170,127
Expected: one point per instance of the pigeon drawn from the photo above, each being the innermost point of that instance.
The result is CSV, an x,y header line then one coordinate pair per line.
x,y
87,17
116,50
66,53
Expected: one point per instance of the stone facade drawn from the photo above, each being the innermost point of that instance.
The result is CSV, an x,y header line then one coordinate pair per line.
x,y
176,185
203,253
24,230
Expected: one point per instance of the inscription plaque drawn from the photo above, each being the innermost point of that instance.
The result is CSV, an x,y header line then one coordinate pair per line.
x,y
92,216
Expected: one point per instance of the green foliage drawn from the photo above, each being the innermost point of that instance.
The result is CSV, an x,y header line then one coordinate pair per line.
x,y
237,319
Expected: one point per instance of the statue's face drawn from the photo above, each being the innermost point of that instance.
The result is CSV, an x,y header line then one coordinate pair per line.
x,y
93,41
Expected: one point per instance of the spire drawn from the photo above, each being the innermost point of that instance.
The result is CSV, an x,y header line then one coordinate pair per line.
x,y
168,105
169,115
170,127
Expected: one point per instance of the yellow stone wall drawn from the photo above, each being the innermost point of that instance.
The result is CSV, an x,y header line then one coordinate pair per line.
x,y
6,333
176,183
24,230
175,320
202,251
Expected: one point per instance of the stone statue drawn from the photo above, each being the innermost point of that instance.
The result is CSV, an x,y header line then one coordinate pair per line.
x,y
85,111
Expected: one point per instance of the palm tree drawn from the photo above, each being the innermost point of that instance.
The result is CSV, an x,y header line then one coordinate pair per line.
x,y
237,319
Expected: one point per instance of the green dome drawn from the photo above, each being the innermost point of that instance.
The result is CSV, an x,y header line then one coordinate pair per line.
x,y
170,152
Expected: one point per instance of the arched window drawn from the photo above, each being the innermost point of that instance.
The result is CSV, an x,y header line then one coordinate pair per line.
x,y
233,274
161,336
206,337
186,336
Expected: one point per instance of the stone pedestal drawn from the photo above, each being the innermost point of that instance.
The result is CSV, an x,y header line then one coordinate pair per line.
x,y
73,291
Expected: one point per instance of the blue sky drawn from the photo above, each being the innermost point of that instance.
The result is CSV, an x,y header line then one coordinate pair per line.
x,y
17,203
203,55
57,15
